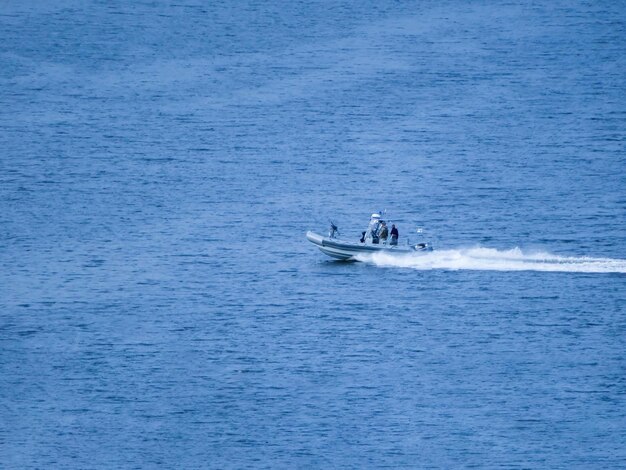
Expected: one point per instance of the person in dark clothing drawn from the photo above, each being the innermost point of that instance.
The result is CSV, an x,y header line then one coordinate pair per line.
x,y
394,235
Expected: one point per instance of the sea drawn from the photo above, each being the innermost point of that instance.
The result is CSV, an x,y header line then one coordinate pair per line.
x,y
162,160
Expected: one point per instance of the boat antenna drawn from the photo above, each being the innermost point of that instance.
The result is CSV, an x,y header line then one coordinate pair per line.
x,y
334,230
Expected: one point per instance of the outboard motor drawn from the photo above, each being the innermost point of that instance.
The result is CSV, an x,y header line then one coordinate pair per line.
x,y
423,247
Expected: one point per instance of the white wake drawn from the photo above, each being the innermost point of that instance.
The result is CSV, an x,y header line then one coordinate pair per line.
x,y
489,259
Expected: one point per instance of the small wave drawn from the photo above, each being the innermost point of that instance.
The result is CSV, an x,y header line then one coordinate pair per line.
x,y
489,259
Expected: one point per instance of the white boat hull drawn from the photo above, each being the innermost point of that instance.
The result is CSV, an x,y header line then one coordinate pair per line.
x,y
344,250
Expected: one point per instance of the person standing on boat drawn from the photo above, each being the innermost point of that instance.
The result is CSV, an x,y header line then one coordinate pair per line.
x,y
394,235
383,233
371,235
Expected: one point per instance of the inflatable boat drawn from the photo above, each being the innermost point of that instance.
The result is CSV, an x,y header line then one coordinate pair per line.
x,y
345,250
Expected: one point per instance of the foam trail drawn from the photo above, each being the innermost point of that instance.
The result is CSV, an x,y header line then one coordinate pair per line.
x,y
489,259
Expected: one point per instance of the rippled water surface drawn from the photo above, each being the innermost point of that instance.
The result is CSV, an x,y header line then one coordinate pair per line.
x,y
161,162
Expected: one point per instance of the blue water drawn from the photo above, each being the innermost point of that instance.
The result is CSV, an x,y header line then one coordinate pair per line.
x,y
161,162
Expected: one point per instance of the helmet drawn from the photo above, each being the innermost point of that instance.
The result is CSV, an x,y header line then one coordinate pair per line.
x,y
375,216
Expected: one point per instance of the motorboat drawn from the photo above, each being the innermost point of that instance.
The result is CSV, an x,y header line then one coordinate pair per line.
x,y
346,250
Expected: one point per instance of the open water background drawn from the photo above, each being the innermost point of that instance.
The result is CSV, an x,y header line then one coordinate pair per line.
x,y
160,163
